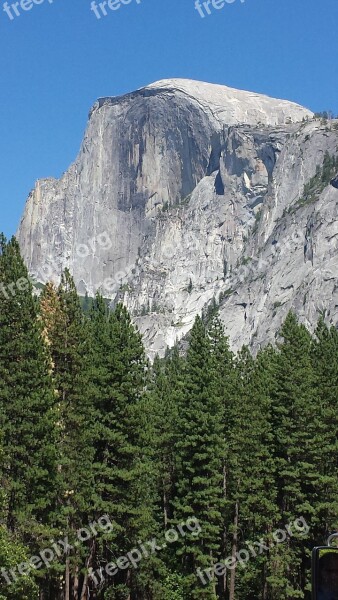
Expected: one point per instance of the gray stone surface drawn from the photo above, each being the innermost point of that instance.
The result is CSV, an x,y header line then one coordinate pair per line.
x,y
183,192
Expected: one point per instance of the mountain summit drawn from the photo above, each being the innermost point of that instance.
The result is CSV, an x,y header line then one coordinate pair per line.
x,y
229,106
185,194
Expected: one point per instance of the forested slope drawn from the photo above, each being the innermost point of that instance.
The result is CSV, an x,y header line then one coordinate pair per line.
x,y
122,480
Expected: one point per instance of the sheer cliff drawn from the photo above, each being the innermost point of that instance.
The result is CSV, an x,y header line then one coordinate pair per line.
x,y
184,194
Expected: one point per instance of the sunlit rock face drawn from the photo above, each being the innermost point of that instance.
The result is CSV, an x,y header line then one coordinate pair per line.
x,y
184,192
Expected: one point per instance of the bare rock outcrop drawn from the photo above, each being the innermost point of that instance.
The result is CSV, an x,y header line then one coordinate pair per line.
x,y
186,193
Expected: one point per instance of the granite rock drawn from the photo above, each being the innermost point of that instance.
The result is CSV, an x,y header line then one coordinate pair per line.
x,y
184,193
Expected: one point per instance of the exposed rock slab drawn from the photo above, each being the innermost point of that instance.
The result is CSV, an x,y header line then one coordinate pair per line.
x,y
184,192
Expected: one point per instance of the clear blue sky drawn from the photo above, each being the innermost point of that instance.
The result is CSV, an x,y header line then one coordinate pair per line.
x,y
56,59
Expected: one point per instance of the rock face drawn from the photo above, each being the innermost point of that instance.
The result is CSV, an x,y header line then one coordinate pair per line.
x,y
334,182
185,192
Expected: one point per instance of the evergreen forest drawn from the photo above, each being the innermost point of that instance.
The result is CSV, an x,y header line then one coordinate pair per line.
x,y
205,475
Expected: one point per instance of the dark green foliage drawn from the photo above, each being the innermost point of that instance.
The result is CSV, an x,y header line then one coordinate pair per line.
x,y
69,349
325,114
122,475
251,471
28,457
67,337
27,399
294,418
199,449
166,393
244,445
325,367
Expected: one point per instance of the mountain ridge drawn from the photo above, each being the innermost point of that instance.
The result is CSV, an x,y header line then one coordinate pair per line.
x,y
189,194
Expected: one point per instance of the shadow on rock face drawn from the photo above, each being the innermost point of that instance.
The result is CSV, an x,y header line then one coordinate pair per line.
x,y
334,182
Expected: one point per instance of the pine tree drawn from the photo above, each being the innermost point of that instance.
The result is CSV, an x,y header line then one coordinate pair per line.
x,y
222,360
251,495
325,366
244,445
49,314
27,399
224,374
66,333
166,394
124,485
200,450
294,425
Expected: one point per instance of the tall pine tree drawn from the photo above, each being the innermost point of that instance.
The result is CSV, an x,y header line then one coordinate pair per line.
x,y
66,333
27,399
199,451
124,484
294,425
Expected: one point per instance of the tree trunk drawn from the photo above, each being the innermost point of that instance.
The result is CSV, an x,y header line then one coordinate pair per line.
x,y
89,562
223,580
165,505
76,584
128,583
67,582
233,554
84,592
265,592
